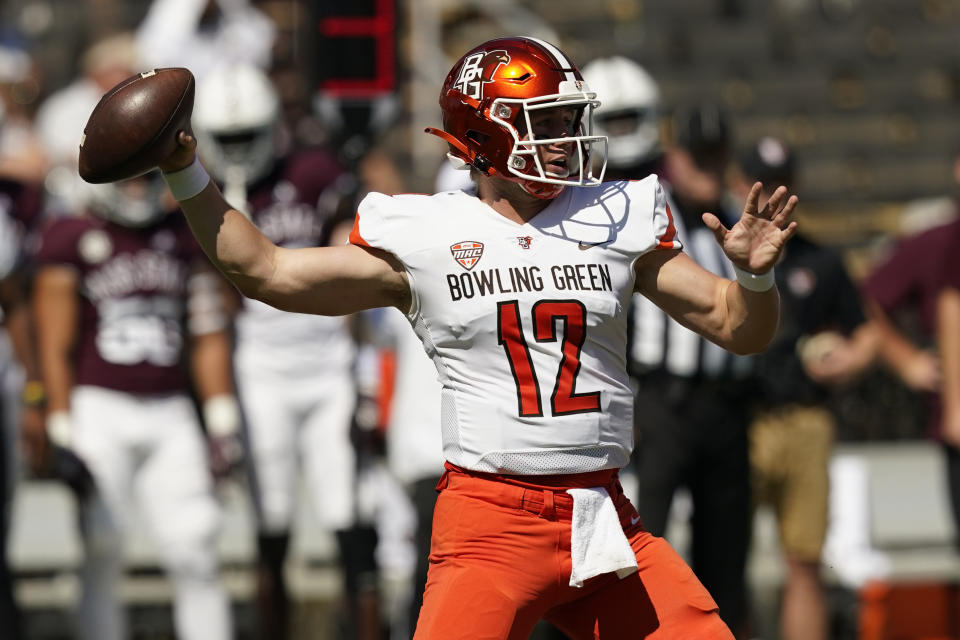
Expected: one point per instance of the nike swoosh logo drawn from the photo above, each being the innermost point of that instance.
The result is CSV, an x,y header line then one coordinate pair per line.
x,y
583,246
634,520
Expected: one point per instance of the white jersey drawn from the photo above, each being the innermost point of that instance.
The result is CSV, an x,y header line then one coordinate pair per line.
x,y
526,323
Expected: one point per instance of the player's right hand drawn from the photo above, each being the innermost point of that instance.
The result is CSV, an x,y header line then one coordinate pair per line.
x,y
184,154
70,469
225,455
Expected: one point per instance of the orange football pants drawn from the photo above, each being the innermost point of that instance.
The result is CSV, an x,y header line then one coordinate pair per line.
x,y
500,561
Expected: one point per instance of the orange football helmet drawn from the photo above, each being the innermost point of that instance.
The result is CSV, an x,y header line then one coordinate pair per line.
x,y
487,100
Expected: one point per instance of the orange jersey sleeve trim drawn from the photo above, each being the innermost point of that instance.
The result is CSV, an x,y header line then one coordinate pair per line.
x,y
355,237
666,240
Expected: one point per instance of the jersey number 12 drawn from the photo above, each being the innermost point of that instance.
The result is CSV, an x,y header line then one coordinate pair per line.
x,y
564,400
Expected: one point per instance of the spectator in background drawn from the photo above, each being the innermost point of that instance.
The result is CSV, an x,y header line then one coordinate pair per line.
x,y
205,34
823,341
691,401
909,284
127,312
294,371
62,116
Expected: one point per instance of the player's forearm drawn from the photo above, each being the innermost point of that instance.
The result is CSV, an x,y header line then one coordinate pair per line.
x,y
893,347
752,318
210,364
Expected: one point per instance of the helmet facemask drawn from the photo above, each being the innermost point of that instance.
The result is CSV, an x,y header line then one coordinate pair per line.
x,y
524,161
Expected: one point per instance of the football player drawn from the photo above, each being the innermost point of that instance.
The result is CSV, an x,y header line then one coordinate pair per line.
x,y
128,315
294,371
518,295
629,117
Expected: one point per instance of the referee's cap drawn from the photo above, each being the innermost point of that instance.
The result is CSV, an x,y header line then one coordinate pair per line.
x,y
770,161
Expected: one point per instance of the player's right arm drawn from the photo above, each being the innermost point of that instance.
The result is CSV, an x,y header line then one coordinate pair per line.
x,y
320,280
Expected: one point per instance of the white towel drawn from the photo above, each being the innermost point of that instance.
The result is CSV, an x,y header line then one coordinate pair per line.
x,y
597,542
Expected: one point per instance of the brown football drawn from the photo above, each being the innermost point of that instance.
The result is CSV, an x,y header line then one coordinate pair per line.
x,y
134,126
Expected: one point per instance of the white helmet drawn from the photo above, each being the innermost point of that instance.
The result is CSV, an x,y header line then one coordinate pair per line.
x,y
235,116
629,112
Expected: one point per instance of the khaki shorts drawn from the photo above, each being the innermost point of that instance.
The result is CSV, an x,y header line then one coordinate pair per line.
x,y
789,457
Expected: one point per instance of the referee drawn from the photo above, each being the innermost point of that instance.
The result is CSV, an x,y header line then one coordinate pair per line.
x,y
690,405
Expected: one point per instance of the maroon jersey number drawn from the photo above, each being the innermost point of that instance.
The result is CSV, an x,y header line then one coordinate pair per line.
x,y
573,315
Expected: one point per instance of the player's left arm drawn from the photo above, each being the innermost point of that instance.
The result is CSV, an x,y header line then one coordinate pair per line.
x,y
738,318
211,352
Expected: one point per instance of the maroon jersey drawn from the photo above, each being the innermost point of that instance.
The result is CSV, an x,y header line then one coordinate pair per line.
x,y
915,273
133,299
284,204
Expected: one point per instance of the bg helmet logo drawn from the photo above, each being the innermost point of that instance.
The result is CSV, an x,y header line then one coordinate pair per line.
x,y
467,253
478,69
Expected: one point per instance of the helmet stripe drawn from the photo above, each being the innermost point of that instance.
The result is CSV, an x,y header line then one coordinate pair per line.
x,y
561,59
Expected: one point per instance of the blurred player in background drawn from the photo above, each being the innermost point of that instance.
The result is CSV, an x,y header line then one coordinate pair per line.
x,y
536,405
294,371
629,115
129,314
824,341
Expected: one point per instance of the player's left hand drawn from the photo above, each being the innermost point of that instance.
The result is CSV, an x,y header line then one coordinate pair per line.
x,y
756,241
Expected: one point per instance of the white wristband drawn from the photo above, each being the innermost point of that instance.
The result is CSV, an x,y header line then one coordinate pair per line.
x,y
60,428
221,415
759,282
188,182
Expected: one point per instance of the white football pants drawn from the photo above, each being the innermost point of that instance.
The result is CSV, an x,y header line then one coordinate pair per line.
x,y
150,449
293,425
